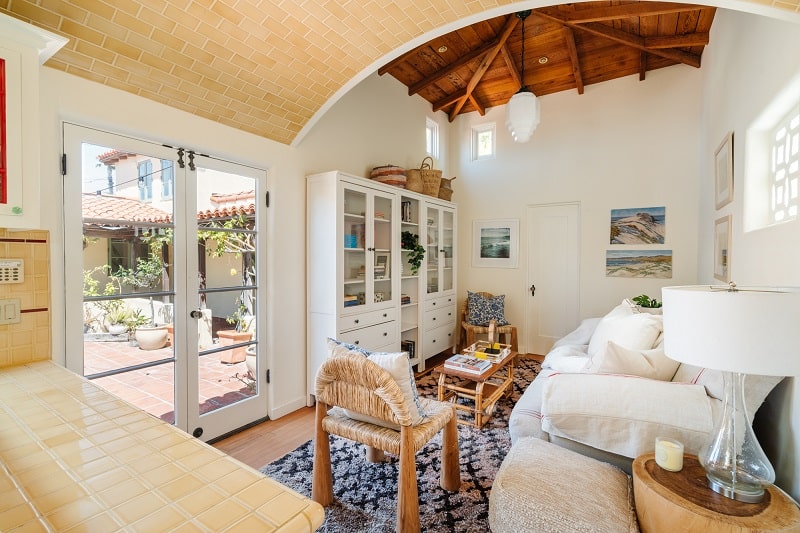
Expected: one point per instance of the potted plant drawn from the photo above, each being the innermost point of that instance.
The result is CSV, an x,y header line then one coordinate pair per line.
x,y
116,318
647,305
409,242
239,319
149,335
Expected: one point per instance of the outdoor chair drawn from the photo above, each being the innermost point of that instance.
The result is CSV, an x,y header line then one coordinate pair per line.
x,y
353,382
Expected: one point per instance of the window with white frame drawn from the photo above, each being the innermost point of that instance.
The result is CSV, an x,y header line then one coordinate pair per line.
x,y
431,137
483,141
145,170
784,169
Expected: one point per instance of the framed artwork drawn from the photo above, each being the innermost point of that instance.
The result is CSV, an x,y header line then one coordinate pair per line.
x,y
639,264
382,265
722,249
495,243
723,171
638,225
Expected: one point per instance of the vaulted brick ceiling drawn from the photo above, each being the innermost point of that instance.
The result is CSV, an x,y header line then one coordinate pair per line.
x,y
262,66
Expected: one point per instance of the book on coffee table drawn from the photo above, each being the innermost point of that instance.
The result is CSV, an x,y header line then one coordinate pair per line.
x,y
467,363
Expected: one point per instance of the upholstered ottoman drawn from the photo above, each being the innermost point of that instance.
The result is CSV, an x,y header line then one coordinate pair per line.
x,y
542,487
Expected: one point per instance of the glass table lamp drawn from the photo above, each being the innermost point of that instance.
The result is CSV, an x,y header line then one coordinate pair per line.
x,y
746,330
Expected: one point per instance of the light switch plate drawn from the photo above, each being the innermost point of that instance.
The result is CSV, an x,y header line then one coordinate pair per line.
x,y
9,311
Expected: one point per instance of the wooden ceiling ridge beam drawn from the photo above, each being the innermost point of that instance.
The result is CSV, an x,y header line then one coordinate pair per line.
x,y
621,37
640,9
448,100
569,38
486,62
448,69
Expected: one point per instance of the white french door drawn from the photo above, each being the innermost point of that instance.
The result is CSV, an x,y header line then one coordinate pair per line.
x,y
164,301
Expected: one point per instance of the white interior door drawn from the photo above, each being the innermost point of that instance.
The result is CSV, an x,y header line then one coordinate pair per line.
x,y
553,302
169,247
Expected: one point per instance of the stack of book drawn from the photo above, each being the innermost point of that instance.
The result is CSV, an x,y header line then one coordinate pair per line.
x,y
467,363
350,300
405,299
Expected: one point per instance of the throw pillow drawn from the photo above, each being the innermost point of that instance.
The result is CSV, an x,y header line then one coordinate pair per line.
x,y
616,359
480,309
636,332
398,365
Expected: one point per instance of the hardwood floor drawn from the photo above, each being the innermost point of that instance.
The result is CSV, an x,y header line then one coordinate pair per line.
x,y
270,440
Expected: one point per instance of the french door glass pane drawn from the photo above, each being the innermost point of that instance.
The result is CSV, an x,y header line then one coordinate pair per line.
x,y
228,289
128,278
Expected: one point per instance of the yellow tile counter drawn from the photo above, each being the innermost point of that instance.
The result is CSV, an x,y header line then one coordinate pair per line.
x,y
75,458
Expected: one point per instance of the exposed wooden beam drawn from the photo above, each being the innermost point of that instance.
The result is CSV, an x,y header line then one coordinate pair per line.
x,y
642,65
448,100
444,71
512,67
396,61
620,36
677,41
486,62
569,39
478,106
639,9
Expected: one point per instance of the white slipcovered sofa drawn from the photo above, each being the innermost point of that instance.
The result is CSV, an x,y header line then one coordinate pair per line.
x,y
606,390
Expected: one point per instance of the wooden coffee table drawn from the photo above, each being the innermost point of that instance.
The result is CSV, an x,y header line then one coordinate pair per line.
x,y
483,389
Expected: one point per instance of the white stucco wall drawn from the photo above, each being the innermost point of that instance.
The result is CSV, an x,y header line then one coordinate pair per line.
x,y
748,62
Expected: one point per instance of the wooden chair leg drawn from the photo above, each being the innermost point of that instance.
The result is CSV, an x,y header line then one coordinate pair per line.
x,y
407,492
513,342
451,469
322,478
374,455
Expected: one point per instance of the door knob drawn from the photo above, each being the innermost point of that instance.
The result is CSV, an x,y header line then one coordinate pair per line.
x,y
196,313
533,290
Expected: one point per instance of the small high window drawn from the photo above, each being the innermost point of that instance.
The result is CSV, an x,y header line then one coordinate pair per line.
x,y
432,138
483,142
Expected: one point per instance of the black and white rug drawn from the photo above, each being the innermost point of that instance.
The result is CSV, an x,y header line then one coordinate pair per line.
x,y
365,494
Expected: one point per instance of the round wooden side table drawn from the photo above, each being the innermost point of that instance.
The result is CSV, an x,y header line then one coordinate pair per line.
x,y
681,501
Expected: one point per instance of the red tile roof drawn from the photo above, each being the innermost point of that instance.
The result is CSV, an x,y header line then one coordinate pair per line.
x,y
107,207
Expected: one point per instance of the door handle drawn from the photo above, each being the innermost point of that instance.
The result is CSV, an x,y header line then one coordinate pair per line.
x,y
196,313
533,290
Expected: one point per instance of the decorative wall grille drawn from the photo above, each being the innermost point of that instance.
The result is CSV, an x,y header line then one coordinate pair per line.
x,y
785,168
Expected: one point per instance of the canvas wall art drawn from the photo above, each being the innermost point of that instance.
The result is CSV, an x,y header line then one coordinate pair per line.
x,y
639,264
639,225
495,243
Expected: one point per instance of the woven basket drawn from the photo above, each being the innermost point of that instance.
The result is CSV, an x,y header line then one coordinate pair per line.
x,y
431,179
446,189
414,180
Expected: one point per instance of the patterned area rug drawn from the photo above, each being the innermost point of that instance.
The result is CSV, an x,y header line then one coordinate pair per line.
x,y
365,493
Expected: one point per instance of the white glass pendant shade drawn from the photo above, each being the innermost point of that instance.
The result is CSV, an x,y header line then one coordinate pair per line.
x,y
522,115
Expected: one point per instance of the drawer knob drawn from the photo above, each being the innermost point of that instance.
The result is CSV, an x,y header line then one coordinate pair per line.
x,y
434,303
384,315
385,334
356,342
356,321
434,319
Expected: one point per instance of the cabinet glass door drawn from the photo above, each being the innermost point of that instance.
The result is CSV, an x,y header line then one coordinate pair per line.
x,y
432,255
446,251
383,238
354,256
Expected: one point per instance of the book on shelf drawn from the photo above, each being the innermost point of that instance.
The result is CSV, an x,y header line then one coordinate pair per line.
x,y
467,363
493,353
409,347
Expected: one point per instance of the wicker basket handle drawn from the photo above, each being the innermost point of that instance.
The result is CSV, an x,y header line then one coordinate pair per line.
x,y
425,165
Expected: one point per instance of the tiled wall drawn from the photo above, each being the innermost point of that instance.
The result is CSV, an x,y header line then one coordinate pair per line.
x,y
30,339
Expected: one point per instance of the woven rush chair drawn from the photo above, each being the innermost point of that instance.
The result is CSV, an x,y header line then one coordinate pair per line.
x,y
469,331
355,383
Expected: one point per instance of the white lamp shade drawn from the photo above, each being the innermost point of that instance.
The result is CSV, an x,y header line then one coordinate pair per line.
x,y
522,115
753,330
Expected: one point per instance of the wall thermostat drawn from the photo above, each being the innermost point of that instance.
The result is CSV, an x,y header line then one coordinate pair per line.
x,y
12,271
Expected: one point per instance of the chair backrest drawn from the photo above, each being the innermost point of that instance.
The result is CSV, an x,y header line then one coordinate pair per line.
x,y
465,307
353,382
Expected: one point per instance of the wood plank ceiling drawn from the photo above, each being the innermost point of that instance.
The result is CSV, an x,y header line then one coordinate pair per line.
x,y
567,47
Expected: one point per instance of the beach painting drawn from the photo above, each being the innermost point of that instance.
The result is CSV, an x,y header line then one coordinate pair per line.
x,y
495,243
638,225
639,263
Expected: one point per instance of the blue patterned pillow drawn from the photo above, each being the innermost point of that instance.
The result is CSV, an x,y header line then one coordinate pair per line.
x,y
480,310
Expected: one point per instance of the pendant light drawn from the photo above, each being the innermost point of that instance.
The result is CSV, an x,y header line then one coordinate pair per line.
x,y
522,110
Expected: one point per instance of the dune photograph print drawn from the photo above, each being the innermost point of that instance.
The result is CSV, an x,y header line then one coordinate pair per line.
x,y
495,243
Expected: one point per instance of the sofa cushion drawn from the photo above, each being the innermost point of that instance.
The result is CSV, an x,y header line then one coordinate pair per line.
x,y
616,359
480,309
398,365
637,332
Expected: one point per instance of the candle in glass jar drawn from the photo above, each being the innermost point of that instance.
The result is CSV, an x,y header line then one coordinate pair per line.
x,y
669,454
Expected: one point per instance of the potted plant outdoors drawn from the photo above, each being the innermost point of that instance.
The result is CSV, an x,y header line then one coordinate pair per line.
x,y
239,319
117,317
409,242
150,336
645,304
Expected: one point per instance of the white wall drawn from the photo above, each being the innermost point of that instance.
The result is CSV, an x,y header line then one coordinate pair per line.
x,y
624,143
748,62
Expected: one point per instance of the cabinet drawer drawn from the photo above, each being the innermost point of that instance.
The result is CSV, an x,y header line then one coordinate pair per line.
x,y
362,320
373,337
439,317
438,303
436,340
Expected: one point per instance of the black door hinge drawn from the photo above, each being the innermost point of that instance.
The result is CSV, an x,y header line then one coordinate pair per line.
x,y
63,164
268,375
267,198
